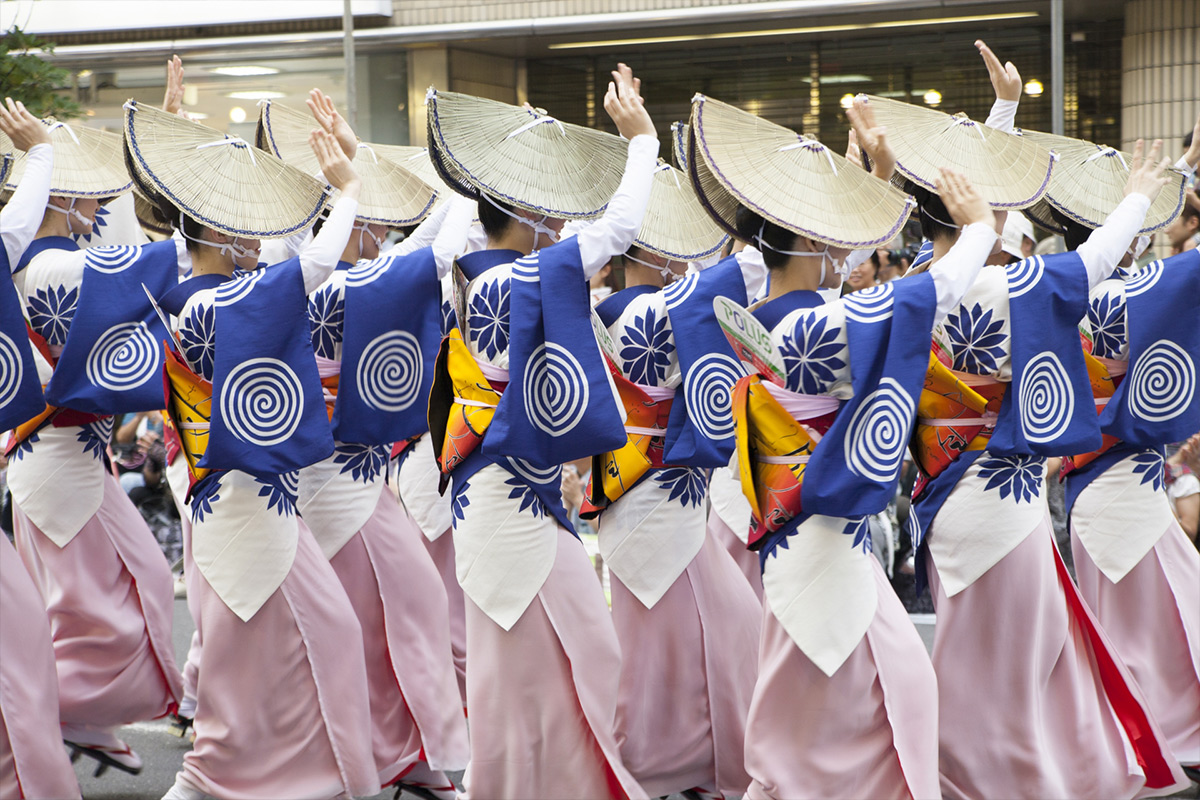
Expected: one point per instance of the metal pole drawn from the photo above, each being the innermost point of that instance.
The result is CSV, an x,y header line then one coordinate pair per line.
x,y
348,55
1058,91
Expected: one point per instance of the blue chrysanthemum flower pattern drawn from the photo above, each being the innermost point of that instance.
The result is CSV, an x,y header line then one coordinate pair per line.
x,y
529,499
51,311
99,222
280,492
810,354
1150,467
488,317
1106,315
198,337
25,446
365,462
976,340
684,484
449,321
326,313
95,437
860,529
646,348
202,502
1019,476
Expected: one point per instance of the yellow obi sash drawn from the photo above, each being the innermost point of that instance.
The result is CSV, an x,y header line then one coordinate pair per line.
x,y
772,452
619,470
461,403
952,417
1102,375
189,412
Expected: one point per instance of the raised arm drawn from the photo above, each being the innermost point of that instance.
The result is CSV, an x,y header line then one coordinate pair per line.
x,y
320,257
1007,83
1105,248
23,214
1191,159
954,272
614,232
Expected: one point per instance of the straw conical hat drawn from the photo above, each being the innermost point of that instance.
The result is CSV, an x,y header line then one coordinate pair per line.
x,y
221,181
679,144
1089,183
6,156
414,159
522,157
391,193
676,226
793,181
87,163
148,214
1010,172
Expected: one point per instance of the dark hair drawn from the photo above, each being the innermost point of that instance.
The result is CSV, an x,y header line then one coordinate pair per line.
x,y
1189,212
748,225
165,212
875,260
930,206
1187,140
1074,233
495,222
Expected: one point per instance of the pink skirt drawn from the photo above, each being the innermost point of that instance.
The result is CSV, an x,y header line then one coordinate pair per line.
x,y
870,730
442,552
1033,703
110,599
543,695
1152,618
33,762
687,675
747,560
401,605
282,699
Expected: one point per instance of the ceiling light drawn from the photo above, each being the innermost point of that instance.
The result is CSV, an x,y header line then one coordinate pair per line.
x,y
1033,87
237,114
85,73
933,97
847,100
243,71
258,94
907,23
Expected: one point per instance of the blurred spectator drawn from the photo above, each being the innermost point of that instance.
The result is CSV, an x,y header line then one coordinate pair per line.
x,y
154,502
890,267
1017,241
1184,233
603,283
1183,486
862,276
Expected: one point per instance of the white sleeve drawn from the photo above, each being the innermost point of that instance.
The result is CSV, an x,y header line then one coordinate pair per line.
x,y
754,272
954,272
183,259
452,239
423,235
1003,115
319,259
1183,166
1107,245
613,233
22,216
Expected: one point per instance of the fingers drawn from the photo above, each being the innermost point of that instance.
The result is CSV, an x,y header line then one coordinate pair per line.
x,y
1155,152
1139,147
989,58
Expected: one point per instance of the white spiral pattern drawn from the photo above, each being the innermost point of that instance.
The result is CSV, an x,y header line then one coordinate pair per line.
x,y
1046,400
556,390
262,401
1024,275
676,293
1144,280
390,370
1163,382
877,435
11,369
124,357
708,392
232,291
870,305
367,272
112,258
538,475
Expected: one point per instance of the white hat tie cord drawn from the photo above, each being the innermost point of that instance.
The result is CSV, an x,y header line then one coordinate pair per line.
x,y
233,140
812,144
64,125
533,123
1109,151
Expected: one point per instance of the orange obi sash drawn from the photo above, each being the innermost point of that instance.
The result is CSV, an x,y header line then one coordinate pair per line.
x,y
645,426
1105,376
462,403
953,417
189,412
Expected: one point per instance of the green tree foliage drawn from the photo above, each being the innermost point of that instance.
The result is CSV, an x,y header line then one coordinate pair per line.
x,y
26,76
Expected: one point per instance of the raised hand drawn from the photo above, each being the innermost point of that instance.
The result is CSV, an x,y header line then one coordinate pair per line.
x,y
1147,175
335,166
965,204
173,98
23,128
853,151
1005,79
327,116
872,138
1193,153
624,104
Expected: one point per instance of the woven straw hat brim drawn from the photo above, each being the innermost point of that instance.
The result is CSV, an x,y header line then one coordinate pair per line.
x,y
676,226
87,163
523,158
391,194
221,181
679,144
1039,214
1089,183
737,158
1009,171
7,156
145,210
414,159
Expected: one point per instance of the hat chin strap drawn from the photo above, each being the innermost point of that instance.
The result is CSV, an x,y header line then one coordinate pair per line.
x,y
839,267
1139,246
365,227
70,211
539,226
669,275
